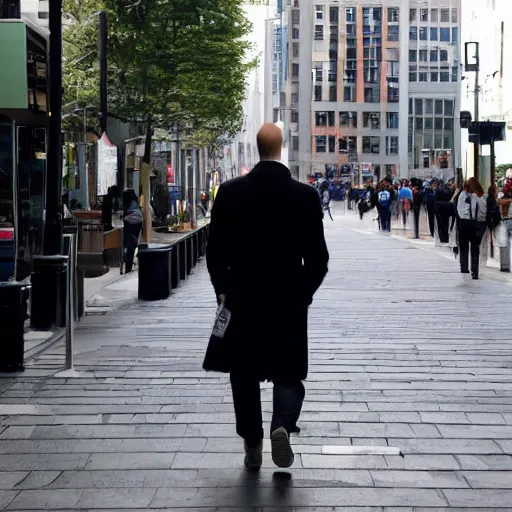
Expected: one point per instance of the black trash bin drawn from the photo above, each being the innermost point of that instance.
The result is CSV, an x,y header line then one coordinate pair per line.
x,y
13,312
48,303
155,271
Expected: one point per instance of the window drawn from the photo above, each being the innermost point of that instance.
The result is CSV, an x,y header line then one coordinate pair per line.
x,y
319,12
412,15
319,32
321,118
295,33
393,15
448,124
332,144
424,15
371,95
448,107
371,145
295,116
295,98
334,13
351,14
295,70
455,74
320,143
318,93
434,55
434,15
347,144
295,17
439,107
423,34
455,34
444,75
429,123
333,93
444,35
418,106
351,30
275,115
413,74
349,94
295,50
392,120
318,72
434,76
445,15
413,56
455,17
444,56
393,92
371,120
348,119
423,55
434,35
419,124
438,123
423,75
295,143
410,106
391,145
351,53
393,33
393,54
333,71
413,34
429,107
330,118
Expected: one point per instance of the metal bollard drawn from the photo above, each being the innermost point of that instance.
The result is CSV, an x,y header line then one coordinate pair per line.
x,y
70,309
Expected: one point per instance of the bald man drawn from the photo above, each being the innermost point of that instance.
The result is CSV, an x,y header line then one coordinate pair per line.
x,y
267,257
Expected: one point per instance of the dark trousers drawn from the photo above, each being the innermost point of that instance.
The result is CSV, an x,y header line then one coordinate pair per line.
x,y
431,220
288,399
417,212
385,220
129,255
443,226
470,234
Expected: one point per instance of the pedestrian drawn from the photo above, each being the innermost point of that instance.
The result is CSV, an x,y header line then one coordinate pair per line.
x,y
406,197
266,263
384,206
472,212
417,202
430,200
132,227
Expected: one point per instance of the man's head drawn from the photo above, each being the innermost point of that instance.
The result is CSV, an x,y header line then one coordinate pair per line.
x,y
270,142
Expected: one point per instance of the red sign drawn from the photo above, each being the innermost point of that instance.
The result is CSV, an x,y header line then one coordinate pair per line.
x,y
170,174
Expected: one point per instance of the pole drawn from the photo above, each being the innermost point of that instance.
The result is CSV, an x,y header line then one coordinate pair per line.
x,y
493,163
53,215
502,67
103,71
70,308
476,146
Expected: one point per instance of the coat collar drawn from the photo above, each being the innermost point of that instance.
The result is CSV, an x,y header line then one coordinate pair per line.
x,y
271,170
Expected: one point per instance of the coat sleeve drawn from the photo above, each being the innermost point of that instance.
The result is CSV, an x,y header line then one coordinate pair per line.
x,y
315,253
216,252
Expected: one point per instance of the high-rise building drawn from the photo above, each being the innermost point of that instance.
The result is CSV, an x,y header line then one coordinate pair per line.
x,y
370,87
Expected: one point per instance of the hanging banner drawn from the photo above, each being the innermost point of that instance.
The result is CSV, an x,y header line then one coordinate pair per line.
x,y
107,165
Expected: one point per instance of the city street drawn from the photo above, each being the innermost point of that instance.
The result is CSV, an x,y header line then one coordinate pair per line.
x,y
408,405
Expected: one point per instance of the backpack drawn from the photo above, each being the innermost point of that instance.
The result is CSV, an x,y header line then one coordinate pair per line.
x,y
493,215
384,199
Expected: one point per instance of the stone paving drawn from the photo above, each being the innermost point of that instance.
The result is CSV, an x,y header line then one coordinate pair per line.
x,y
405,354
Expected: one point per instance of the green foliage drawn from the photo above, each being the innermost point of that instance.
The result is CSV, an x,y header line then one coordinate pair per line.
x,y
169,61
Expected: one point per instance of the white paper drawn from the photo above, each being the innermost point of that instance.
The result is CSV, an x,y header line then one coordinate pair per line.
x,y
222,320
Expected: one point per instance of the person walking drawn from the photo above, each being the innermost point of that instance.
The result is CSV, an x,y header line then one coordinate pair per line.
x,y
267,256
384,204
430,202
472,213
406,197
132,227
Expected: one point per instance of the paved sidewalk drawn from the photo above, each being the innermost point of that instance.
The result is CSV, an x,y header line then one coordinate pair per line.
x,y
404,354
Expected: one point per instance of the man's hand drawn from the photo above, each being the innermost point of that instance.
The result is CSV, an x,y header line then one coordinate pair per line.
x,y
221,298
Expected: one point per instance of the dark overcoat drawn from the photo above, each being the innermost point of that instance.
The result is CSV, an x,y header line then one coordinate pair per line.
x,y
267,254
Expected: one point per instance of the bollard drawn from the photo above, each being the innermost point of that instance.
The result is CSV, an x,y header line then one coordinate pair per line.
x,y
70,241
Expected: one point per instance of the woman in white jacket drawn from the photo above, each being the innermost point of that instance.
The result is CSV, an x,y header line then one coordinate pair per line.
x,y
472,213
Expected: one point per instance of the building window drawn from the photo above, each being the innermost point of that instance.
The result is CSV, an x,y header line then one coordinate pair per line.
x,y
347,144
393,54
434,55
295,70
318,93
429,107
295,116
371,145
434,15
348,119
295,50
423,55
349,94
445,15
319,12
320,143
438,107
295,143
295,98
434,34
423,75
455,17
434,76
393,15
275,115
393,33
321,118
393,92
413,33
444,56
333,71
295,33
448,108
334,14
295,17
424,15
319,32
444,35
351,14
423,34
444,75
371,95
413,74
391,145
413,56
371,120
455,35
333,93
319,76
392,120
412,15
455,74
332,144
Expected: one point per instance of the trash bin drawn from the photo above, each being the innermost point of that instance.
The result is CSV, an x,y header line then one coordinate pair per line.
x,y
154,271
13,312
48,303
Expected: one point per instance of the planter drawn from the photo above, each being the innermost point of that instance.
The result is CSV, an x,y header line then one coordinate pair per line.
x,y
187,226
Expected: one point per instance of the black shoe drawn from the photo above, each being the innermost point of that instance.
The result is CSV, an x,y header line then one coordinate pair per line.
x,y
253,456
282,453
464,272
475,277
